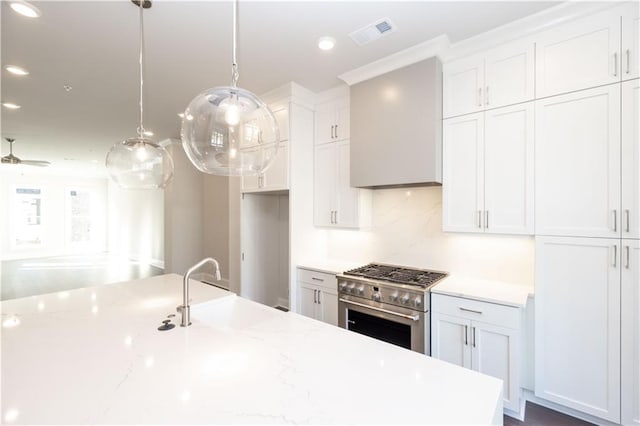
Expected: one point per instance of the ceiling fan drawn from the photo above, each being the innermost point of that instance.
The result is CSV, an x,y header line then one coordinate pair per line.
x,y
12,159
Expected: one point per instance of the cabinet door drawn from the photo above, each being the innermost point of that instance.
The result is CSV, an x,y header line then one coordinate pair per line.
x,y
307,297
347,204
342,120
577,324
578,55
631,159
282,117
631,41
324,184
509,75
631,332
328,307
276,177
463,82
494,352
508,169
325,122
577,177
450,339
463,164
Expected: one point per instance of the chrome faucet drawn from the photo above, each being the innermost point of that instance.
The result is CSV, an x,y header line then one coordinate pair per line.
x,y
185,309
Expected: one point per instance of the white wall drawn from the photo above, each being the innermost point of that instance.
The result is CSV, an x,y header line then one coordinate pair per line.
x,y
407,230
136,222
215,219
54,221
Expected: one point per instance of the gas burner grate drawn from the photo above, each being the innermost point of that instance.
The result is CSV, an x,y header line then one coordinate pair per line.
x,y
397,274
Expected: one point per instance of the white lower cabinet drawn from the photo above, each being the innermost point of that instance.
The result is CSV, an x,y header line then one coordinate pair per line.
x,y
630,332
577,323
318,295
482,336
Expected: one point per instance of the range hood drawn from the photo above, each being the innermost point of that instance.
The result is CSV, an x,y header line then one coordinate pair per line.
x,y
396,128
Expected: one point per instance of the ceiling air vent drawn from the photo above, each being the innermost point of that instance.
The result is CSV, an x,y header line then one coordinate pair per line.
x,y
373,31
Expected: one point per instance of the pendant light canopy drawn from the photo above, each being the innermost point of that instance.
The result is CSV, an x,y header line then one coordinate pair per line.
x,y
138,162
229,131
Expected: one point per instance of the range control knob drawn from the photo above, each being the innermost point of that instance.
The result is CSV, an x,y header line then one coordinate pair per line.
x,y
343,286
361,290
405,299
393,296
376,296
350,288
417,301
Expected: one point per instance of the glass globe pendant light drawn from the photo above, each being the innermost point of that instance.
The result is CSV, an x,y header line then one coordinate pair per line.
x,y
138,162
229,131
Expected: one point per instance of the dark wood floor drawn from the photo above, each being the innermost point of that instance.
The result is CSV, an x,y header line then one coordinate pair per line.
x,y
537,415
30,277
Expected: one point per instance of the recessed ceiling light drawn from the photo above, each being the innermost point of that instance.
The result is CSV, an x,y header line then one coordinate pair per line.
x,y
10,105
148,133
14,69
25,9
326,43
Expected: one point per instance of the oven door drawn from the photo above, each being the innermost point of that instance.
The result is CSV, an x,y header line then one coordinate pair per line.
x,y
399,326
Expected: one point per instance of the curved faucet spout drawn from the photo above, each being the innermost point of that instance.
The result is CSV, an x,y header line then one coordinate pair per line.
x,y
185,309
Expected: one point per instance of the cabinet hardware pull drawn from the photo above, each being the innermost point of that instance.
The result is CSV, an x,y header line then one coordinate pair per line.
x,y
615,255
479,219
486,95
317,279
615,64
479,96
473,329
615,220
626,248
319,302
314,296
336,216
332,131
466,334
469,310
626,214
486,219
415,317
336,131
628,61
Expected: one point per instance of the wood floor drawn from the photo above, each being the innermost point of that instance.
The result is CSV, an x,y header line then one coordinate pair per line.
x,y
30,277
537,415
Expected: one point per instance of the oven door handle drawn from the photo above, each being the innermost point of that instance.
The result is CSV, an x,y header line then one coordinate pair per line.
x,y
386,311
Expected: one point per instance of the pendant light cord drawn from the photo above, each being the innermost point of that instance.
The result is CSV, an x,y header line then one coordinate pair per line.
x,y
234,60
141,128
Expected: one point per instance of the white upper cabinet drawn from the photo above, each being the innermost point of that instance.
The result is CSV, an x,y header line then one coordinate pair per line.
x,y
631,332
325,172
577,165
579,55
499,77
631,159
577,324
631,41
332,121
488,162
463,170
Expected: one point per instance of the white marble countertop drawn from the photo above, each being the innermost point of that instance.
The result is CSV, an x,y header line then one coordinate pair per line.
x,y
95,355
503,293
330,266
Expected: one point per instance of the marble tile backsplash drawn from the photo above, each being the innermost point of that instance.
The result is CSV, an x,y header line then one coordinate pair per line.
x,y
407,230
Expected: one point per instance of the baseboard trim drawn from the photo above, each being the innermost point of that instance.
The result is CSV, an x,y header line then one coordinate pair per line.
x,y
530,396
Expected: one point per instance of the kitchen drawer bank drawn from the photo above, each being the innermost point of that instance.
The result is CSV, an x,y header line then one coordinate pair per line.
x,y
479,325
239,362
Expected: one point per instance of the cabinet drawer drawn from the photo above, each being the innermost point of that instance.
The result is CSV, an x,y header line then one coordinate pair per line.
x,y
505,316
319,279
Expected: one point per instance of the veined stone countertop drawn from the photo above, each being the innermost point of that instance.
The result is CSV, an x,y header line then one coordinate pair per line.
x,y
94,355
499,292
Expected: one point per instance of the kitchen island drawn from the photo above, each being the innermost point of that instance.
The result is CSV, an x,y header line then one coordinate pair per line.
x,y
95,355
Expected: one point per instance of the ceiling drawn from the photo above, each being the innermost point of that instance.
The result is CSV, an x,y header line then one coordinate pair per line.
x,y
93,47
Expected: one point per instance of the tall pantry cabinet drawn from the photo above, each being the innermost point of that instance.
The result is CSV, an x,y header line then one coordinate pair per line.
x,y
587,185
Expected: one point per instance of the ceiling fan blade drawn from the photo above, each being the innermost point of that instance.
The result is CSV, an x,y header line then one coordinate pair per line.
x,y
35,163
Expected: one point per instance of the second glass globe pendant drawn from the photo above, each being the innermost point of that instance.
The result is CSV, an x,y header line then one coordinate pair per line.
x,y
229,131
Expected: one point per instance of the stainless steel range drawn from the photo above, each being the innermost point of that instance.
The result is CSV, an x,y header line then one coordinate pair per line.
x,y
389,303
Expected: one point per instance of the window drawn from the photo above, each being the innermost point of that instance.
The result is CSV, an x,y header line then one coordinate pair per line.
x,y
27,218
79,216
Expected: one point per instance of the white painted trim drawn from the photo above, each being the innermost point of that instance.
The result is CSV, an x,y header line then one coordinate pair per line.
x,y
337,92
440,46
427,49
283,302
529,396
291,92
